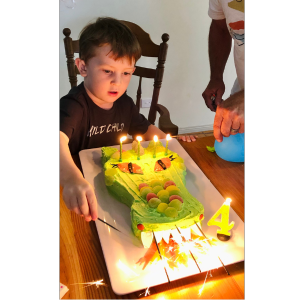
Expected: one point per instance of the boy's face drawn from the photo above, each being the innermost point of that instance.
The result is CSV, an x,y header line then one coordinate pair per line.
x,y
105,79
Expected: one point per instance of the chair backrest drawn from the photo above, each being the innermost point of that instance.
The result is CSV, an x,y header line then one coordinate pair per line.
x,y
149,49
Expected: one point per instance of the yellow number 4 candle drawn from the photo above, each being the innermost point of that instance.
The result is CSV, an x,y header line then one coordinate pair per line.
x,y
224,224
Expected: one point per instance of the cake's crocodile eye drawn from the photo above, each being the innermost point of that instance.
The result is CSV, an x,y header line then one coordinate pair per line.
x,y
163,164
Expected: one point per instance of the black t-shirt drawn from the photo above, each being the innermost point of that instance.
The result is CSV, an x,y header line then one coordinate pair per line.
x,y
89,126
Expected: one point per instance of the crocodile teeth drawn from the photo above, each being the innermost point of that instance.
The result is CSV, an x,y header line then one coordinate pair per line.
x,y
158,236
185,232
196,229
176,236
164,234
147,238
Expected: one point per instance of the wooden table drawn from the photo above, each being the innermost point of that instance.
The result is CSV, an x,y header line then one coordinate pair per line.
x,y
82,260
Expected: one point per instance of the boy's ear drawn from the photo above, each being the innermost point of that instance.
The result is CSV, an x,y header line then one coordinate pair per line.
x,y
80,64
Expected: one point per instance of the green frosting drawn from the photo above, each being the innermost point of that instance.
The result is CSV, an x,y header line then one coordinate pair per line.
x,y
108,153
124,187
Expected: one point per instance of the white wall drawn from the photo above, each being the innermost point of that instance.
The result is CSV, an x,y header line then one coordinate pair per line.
x,y
187,67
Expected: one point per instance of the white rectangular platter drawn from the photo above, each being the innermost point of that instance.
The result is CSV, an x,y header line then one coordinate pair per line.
x,y
122,249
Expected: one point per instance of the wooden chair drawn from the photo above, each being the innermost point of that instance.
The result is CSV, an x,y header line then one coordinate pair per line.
x,y
149,49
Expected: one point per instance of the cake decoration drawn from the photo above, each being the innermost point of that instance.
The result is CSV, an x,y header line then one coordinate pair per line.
x,y
137,147
139,139
163,164
223,233
168,137
122,139
129,168
155,142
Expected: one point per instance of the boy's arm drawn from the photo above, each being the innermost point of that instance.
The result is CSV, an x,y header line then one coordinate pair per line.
x,y
151,132
78,194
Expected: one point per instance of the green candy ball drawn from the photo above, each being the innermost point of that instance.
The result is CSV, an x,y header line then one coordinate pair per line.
x,y
162,207
157,188
171,212
154,202
163,195
163,192
156,182
146,187
172,188
165,180
177,204
174,192
145,192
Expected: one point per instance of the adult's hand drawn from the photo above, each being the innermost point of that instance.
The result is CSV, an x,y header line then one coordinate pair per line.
x,y
229,118
215,87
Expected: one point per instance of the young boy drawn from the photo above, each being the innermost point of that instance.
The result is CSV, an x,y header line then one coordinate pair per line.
x,y
98,111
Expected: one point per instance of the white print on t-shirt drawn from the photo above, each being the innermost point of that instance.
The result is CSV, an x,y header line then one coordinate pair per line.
x,y
100,129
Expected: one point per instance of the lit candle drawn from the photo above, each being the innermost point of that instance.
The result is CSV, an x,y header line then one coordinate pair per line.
x,y
123,138
155,140
139,139
224,224
167,143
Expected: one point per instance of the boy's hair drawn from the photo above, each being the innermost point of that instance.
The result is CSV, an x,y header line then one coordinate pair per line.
x,y
109,31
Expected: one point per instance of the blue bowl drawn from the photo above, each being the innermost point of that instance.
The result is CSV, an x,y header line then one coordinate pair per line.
x,y
231,148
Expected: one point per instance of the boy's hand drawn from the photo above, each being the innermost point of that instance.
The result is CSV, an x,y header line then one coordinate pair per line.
x,y
187,138
79,197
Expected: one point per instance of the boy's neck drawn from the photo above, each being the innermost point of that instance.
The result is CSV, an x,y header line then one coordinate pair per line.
x,y
98,102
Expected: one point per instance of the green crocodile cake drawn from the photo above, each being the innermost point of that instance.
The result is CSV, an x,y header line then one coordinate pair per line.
x,y
154,188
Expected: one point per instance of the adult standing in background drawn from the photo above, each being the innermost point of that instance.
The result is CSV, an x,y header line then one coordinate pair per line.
x,y
227,24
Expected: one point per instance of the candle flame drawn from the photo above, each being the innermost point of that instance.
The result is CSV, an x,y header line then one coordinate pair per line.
x,y
155,138
123,138
139,138
168,137
228,200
